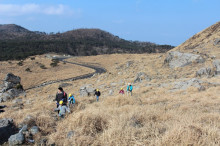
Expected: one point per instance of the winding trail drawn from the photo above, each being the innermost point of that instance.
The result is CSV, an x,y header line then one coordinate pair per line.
x,y
98,70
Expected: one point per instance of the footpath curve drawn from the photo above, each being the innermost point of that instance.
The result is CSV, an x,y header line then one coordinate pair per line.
x,y
98,70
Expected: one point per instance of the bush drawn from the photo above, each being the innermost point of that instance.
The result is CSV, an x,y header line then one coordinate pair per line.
x,y
32,58
20,63
43,66
54,62
19,86
28,69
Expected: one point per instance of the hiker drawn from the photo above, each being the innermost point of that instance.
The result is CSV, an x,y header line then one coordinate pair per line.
x,y
97,94
71,100
62,109
129,89
61,95
122,91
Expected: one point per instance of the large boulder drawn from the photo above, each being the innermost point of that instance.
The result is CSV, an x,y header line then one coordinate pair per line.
x,y
87,90
216,64
12,78
11,88
7,128
16,139
177,59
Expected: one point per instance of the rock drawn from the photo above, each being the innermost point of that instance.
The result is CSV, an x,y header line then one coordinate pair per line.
x,y
16,139
141,76
17,101
23,129
12,78
34,130
70,134
7,128
119,73
216,64
183,85
217,42
86,90
177,59
11,88
110,92
9,85
129,63
114,84
204,72
5,97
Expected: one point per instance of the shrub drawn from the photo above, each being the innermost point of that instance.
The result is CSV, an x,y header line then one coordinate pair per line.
x,y
28,69
20,63
54,62
43,66
32,58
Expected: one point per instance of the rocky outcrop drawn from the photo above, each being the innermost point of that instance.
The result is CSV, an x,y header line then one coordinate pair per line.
x,y
11,88
7,128
87,90
141,76
194,82
177,59
217,42
183,85
216,64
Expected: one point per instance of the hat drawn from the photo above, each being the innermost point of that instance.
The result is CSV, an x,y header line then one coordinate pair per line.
x,y
61,102
129,83
70,94
60,88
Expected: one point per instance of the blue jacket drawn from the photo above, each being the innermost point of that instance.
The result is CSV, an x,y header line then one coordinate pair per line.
x,y
72,99
129,88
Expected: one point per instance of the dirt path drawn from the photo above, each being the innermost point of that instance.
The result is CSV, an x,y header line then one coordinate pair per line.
x,y
98,70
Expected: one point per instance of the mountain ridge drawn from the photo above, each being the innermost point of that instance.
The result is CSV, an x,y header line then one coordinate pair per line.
x,y
79,42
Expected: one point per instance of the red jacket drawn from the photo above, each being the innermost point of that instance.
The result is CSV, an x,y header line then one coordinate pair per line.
x,y
122,92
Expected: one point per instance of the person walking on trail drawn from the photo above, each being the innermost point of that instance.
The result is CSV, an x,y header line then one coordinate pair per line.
x,y
122,91
97,94
71,100
129,89
61,95
62,109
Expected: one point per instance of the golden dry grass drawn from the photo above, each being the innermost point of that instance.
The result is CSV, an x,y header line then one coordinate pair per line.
x,y
39,75
153,116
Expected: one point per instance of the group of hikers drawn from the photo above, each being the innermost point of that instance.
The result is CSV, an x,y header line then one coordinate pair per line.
x,y
64,104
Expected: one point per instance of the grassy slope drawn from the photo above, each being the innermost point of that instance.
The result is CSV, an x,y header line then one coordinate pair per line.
x,y
153,116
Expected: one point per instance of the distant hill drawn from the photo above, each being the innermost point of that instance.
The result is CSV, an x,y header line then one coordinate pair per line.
x,y
17,42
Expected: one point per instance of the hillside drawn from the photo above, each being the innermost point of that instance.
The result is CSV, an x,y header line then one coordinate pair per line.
x,y
18,43
206,41
170,105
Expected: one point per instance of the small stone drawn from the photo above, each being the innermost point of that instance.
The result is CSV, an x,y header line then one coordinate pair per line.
x,y
70,134
34,130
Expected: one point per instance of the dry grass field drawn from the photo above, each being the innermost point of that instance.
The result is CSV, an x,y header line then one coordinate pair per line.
x,y
38,74
156,114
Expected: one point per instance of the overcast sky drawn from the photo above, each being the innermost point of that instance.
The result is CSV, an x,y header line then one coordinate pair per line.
x,y
159,21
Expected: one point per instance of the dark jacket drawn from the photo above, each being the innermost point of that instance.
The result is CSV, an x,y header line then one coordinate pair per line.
x,y
61,96
97,93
